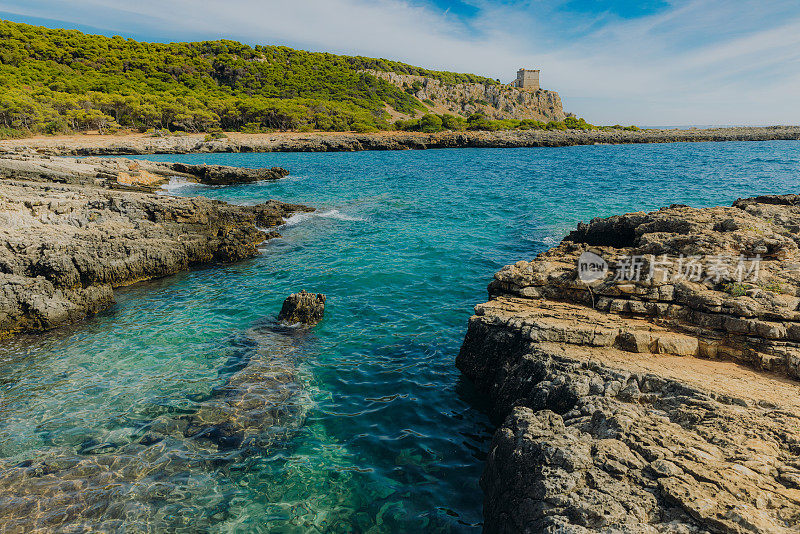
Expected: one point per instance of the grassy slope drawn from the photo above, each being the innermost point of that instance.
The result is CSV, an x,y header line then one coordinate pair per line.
x,y
54,80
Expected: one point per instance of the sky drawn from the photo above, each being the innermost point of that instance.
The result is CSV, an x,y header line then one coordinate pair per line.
x,y
646,62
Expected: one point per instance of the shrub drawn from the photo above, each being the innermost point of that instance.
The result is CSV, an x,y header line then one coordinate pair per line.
x,y
453,122
361,127
479,121
214,134
430,123
772,287
735,289
11,133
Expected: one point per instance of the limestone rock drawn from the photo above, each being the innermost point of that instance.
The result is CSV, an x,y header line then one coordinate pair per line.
x,y
303,307
495,101
646,405
224,175
65,246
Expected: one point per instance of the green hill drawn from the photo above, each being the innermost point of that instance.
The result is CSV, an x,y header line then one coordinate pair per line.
x,y
57,81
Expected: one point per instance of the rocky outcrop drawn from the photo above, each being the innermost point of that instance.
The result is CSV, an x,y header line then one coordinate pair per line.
x,y
645,375
498,101
65,246
350,142
224,175
125,172
303,307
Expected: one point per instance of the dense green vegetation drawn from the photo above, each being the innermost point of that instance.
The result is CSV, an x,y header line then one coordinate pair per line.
x,y
56,80
477,121
59,81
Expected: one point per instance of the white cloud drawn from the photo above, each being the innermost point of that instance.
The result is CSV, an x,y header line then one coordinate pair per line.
x,y
697,62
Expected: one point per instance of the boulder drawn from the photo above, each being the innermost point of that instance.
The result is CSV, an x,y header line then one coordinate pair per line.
x,y
303,307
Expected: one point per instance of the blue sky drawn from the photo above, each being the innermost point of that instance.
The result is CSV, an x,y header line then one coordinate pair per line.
x,y
648,62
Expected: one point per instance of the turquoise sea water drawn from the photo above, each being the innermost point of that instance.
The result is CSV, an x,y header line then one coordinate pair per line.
x,y
403,244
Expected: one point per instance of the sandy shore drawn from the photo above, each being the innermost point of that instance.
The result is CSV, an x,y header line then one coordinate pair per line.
x,y
83,145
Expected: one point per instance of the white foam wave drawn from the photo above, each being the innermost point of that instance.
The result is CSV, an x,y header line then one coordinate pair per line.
x,y
336,214
298,218
176,183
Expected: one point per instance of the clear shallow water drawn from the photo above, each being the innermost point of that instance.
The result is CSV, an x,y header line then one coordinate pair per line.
x,y
403,244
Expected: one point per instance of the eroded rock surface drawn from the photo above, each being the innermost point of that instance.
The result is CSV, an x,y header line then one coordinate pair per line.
x,y
303,307
64,247
667,403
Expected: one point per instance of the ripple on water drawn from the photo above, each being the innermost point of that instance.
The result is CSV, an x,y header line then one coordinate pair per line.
x,y
145,399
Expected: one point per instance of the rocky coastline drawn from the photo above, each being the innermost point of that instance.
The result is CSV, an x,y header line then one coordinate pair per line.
x,y
95,145
73,230
118,172
70,232
647,398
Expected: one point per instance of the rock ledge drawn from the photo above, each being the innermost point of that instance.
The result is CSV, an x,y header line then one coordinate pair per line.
x,y
65,244
661,404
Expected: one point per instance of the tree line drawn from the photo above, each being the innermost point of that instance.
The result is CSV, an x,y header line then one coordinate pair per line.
x,y
59,81
56,80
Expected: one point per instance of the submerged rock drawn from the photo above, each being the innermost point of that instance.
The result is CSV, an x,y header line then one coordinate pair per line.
x,y
259,405
182,473
303,307
642,401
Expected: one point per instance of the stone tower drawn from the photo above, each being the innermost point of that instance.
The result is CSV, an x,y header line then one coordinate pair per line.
x,y
527,79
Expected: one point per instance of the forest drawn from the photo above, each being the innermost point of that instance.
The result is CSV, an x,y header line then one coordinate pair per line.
x,y
57,81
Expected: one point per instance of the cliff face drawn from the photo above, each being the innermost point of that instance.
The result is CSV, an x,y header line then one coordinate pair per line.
x,y
495,101
647,394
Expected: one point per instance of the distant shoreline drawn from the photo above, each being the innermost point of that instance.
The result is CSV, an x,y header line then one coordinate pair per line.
x,y
133,144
